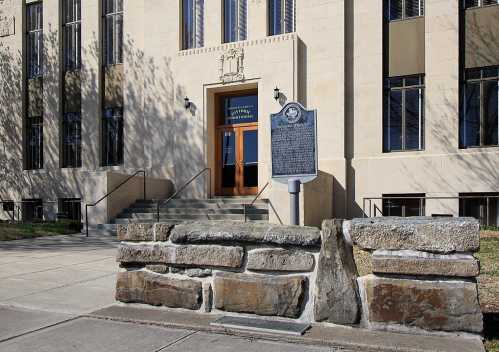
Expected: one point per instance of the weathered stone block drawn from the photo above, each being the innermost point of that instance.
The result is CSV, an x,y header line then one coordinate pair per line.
x,y
441,235
258,294
424,263
194,272
136,232
336,292
158,268
270,259
234,231
155,289
199,256
162,231
431,305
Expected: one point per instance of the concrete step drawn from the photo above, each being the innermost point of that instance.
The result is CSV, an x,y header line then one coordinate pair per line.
x,y
102,229
199,216
220,211
123,221
198,206
206,201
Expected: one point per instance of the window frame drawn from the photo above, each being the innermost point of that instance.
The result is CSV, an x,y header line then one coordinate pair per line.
x,y
71,131
72,55
193,38
479,6
422,11
421,197
283,17
112,150
481,81
237,25
34,66
404,88
34,149
112,52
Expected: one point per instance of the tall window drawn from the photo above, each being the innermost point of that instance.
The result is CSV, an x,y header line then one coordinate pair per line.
x,y
70,209
71,140
281,16
113,32
34,143
480,123
403,205
235,20
32,210
35,39
479,3
404,9
112,135
403,127
192,24
72,35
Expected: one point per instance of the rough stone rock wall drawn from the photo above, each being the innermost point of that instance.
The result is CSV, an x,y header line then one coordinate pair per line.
x,y
424,273
220,266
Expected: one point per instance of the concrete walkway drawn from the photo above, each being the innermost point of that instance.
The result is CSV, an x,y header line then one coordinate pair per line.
x,y
47,284
57,294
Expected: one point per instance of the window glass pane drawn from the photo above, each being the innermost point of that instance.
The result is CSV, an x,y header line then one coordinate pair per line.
x,y
490,72
289,16
395,10
414,81
471,126
471,3
275,16
250,144
491,107
112,125
413,118
230,21
242,28
413,8
228,159
394,121
473,73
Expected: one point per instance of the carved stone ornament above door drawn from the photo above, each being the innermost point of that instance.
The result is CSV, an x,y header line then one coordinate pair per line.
x,y
232,65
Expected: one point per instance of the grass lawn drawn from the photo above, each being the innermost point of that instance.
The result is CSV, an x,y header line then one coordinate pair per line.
x,y
10,232
488,283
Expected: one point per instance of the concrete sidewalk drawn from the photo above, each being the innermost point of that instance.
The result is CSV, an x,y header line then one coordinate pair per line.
x,y
57,294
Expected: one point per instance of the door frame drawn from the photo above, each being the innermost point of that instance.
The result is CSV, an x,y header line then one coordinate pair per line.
x,y
238,189
238,129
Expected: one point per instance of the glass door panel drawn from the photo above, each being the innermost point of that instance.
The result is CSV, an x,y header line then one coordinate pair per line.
x,y
229,161
250,158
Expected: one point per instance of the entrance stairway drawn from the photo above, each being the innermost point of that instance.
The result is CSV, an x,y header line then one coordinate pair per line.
x,y
179,210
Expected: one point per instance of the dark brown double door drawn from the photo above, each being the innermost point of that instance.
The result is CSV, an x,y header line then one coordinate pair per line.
x,y
237,168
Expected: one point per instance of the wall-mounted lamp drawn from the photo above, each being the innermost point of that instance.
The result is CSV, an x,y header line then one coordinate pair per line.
x,y
277,93
187,103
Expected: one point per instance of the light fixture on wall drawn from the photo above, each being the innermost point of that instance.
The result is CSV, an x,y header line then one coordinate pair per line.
x,y
277,93
187,103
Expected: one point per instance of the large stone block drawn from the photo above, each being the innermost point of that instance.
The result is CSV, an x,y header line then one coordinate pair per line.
x,y
190,255
136,232
441,235
424,263
276,259
236,231
259,294
390,303
154,289
336,292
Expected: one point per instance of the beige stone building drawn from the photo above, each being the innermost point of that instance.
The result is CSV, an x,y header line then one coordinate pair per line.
x,y
406,94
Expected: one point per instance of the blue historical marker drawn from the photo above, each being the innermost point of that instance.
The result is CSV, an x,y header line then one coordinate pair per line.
x,y
294,150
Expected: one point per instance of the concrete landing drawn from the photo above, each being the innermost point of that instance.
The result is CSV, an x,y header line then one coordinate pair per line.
x,y
341,337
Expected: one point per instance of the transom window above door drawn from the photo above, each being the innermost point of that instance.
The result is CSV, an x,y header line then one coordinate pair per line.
x,y
238,109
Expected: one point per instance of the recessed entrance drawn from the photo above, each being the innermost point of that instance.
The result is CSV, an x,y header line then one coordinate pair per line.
x,y
237,143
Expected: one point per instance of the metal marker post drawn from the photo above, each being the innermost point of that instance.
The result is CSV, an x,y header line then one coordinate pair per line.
x,y
294,186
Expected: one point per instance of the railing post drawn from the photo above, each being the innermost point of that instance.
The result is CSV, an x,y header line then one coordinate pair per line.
x,y
86,218
144,184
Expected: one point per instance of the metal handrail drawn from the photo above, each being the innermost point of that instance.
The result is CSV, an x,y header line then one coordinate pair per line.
x,y
165,202
245,205
114,190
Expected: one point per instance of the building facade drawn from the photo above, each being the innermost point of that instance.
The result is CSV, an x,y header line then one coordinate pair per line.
x,y
406,93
